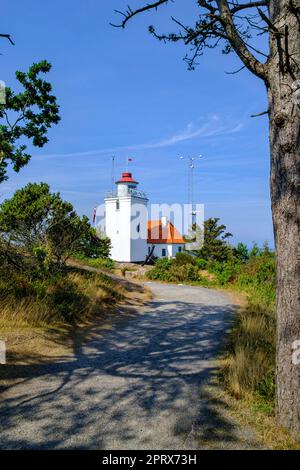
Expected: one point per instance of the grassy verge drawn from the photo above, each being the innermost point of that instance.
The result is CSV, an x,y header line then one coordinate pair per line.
x,y
76,296
41,321
106,264
248,364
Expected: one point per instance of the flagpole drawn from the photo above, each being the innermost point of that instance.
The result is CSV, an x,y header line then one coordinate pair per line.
x,y
128,159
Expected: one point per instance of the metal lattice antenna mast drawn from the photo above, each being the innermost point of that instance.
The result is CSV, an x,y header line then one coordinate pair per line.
x,y
191,166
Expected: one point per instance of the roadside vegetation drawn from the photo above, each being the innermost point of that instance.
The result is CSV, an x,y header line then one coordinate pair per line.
x,y
248,368
39,232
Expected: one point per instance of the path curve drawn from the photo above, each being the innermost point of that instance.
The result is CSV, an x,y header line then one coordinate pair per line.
x,y
140,385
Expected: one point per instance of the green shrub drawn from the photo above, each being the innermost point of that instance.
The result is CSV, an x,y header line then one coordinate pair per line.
x,y
100,263
201,263
183,258
225,272
161,270
258,278
184,273
170,270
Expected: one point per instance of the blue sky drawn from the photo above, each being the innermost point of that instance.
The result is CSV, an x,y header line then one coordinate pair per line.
x,y
123,93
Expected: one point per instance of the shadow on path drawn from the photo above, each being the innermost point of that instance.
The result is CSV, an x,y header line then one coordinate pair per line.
x,y
139,385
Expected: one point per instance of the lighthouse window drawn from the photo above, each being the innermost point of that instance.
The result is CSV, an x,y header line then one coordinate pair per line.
x,y
138,228
117,205
163,252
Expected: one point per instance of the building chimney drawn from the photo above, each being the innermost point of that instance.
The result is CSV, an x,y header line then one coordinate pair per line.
x,y
164,221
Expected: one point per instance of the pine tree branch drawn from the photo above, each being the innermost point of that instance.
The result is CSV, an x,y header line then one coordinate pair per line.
x,y
236,42
129,13
7,36
244,6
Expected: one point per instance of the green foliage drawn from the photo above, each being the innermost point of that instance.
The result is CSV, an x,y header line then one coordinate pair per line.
x,y
251,357
92,246
101,263
39,231
266,387
241,252
254,251
161,270
66,297
251,354
258,277
201,263
26,115
225,272
179,269
215,246
184,258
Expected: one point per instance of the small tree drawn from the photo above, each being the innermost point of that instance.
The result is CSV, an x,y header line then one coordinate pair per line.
x,y
93,245
215,246
28,115
241,251
38,230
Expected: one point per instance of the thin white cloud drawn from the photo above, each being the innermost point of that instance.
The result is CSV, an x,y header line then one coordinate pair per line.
x,y
211,128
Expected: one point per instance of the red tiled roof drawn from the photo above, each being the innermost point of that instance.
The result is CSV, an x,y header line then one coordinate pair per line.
x,y
157,233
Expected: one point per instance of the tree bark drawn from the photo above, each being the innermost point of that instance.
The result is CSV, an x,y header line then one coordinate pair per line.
x,y
284,106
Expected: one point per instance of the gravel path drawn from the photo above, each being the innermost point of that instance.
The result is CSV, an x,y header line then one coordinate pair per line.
x,y
139,385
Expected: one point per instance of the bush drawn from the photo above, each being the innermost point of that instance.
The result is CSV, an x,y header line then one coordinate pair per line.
x,y
184,258
67,298
172,270
161,270
101,263
251,358
258,278
201,263
39,231
225,272
92,245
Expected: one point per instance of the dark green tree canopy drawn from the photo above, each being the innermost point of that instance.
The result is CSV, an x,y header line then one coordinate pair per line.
x,y
26,116
215,246
39,231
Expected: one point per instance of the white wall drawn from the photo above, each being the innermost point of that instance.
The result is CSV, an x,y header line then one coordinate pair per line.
x,y
117,227
139,218
171,249
128,245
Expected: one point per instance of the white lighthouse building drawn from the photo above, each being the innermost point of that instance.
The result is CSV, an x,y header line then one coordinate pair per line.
x,y
133,237
126,220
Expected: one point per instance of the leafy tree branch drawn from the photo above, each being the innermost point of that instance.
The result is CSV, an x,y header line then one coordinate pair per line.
x,y
26,115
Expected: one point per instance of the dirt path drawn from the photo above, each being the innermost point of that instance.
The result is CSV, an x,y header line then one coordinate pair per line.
x,y
139,385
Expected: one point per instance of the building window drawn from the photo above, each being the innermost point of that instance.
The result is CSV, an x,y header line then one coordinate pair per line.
x,y
163,252
118,205
179,249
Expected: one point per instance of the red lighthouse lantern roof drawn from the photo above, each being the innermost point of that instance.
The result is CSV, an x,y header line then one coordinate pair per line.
x,y
126,178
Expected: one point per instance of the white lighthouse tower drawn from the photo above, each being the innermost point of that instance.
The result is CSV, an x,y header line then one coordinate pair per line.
x,y
126,220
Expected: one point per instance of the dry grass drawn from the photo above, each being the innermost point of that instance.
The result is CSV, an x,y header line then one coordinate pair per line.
x,y
249,365
76,297
248,413
39,328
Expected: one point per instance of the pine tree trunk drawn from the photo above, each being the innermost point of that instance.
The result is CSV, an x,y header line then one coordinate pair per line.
x,y
284,112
